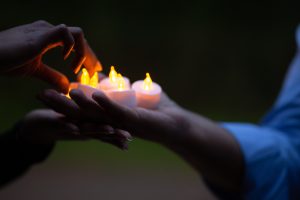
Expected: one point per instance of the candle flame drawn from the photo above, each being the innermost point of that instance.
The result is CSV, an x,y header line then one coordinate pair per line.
x,y
147,85
94,80
121,82
113,75
85,77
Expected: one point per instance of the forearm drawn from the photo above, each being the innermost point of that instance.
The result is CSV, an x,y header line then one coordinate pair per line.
x,y
212,151
16,156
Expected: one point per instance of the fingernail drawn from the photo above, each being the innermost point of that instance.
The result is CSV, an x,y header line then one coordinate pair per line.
x,y
79,66
125,147
68,52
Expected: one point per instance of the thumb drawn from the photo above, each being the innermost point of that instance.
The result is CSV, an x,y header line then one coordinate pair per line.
x,y
53,77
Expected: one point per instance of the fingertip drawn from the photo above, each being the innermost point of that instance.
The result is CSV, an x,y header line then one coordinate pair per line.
x,y
75,93
45,95
79,64
98,67
125,146
91,71
63,84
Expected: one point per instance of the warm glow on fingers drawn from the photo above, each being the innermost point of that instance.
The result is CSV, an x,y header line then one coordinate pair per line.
x,y
147,85
85,77
121,82
113,75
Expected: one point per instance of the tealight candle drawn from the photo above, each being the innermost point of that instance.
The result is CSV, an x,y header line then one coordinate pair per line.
x,y
87,85
147,93
122,95
111,83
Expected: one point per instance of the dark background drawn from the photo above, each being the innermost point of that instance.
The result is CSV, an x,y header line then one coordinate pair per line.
x,y
223,59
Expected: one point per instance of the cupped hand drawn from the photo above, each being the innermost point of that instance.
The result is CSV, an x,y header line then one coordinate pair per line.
x,y
47,126
165,124
22,49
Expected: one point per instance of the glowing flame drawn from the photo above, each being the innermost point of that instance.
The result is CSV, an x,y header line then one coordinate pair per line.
x,y
94,80
113,75
86,80
147,85
121,82
85,77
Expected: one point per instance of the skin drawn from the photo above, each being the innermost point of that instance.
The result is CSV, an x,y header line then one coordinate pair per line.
x,y
204,144
46,126
21,52
22,49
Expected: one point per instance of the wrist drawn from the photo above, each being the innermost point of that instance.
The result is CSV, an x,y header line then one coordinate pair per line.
x,y
179,135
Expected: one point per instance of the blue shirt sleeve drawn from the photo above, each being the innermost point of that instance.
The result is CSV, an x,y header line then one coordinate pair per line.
x,y
267,154
271,149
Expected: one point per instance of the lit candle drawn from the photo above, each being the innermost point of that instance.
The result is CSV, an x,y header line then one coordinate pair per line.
x,y
87,85
147,93
123,94
111,83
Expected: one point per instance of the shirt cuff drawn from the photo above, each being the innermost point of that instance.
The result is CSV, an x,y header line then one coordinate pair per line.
x,y
264,151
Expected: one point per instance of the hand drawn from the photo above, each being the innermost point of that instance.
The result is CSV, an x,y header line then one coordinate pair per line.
x,y
22,49
200,141
46,126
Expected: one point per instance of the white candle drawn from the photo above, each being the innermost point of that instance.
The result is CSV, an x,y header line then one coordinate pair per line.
x,y
111,83
147,93
122,95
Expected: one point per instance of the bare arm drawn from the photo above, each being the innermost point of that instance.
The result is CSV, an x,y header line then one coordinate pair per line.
x,y
209,148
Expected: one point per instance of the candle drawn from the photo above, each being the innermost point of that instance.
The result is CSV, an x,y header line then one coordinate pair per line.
x,y
122,95
147,93
87,85
111,83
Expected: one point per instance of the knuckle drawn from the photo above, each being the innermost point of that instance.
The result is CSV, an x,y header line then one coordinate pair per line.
x,y
78,31
41,22
62,27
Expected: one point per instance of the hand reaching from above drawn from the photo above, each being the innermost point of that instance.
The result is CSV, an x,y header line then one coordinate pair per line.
x,y
22,49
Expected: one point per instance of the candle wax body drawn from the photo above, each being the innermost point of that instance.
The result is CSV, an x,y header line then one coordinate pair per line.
x,y
123,97
147,98
106,84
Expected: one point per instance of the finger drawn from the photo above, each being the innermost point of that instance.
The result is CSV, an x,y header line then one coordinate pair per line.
x,y
59,36
42,23
89,108
60,103
53,77
105,133
101,131
111,139
87,128
84,54
123,135
120,114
